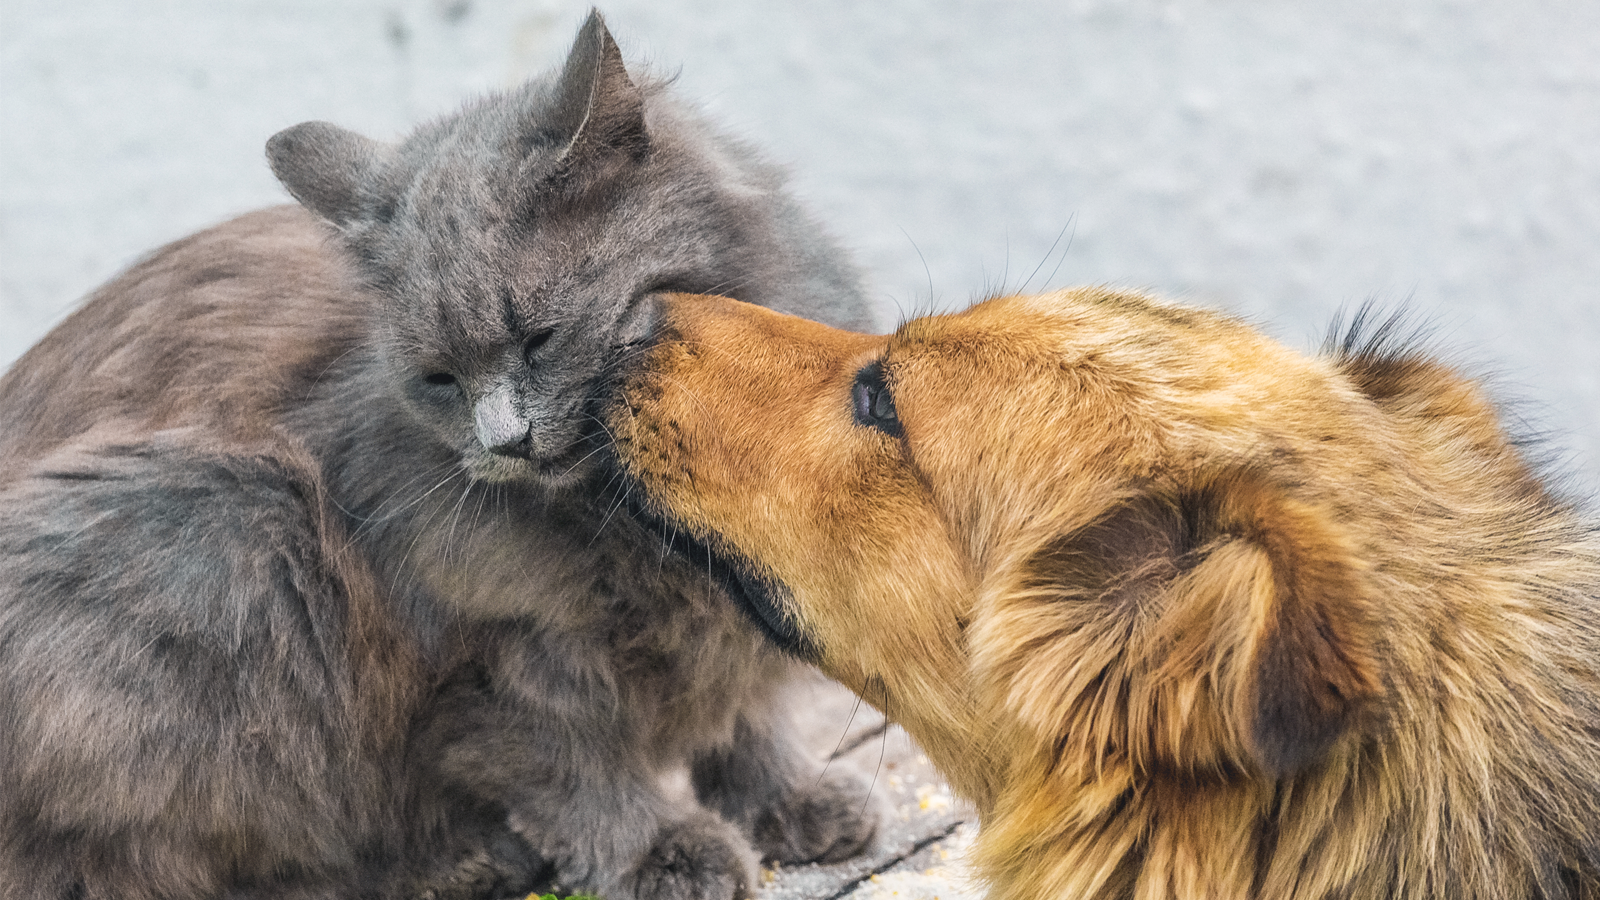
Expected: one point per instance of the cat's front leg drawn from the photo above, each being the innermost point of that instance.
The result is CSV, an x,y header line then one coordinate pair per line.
x,y
793,809
698,856
544,737
466,851
613,832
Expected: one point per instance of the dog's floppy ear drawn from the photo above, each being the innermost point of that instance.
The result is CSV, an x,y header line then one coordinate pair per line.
x,y
1292,637
1222,623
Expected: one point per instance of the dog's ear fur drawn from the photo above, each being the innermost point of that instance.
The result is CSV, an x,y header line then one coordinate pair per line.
x,y
1303,660
1221,624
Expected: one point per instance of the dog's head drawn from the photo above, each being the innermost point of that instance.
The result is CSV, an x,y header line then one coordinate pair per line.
x,y
1083,530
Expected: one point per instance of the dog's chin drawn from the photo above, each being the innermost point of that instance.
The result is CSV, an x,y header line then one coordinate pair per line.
x,y
763,601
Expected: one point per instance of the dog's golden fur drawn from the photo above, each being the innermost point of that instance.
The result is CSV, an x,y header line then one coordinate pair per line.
x,y
1185,614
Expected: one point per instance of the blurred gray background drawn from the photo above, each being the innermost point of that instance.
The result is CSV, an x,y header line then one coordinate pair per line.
x,y
1282,160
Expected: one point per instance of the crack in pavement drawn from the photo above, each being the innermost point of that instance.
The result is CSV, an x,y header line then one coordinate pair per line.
x,y
888,864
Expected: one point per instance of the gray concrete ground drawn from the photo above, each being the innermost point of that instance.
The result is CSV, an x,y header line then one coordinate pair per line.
x,y
926,828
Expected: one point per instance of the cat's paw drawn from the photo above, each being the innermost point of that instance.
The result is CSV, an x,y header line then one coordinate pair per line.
x,y
488,862
828,820
701,858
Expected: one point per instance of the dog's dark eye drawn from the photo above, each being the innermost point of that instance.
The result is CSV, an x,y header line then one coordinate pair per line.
x,y
872,402
441,379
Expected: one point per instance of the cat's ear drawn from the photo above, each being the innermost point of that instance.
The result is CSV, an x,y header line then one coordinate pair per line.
x,y
597,104
324,167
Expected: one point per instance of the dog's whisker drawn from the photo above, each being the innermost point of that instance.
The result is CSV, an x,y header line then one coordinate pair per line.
x,y
838,748
1022,288
1072,221
883,748
926,270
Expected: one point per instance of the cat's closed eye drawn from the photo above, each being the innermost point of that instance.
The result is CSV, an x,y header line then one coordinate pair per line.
x,y
641,316
440,379
530,350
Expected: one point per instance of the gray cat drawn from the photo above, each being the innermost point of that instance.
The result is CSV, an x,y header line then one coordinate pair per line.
x,y
308,585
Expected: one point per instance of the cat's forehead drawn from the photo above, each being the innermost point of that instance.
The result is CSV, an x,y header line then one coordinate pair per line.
x,y
488,259
464,300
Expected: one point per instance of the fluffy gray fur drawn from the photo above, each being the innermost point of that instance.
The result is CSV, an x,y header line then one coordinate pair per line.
x,y
308,587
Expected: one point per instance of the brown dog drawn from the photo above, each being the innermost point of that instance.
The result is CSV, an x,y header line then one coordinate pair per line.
x,y
1186,614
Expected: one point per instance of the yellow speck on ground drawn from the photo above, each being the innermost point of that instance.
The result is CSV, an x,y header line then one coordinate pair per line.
x,y
948,879
933,797
937,883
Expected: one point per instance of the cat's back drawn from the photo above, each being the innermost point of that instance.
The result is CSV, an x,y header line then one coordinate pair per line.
x,y
223,329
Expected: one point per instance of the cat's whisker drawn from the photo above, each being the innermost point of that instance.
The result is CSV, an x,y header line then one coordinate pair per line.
x,y
455,519
611,440
379,516
622,498
666,545
583,459
483,499
371,524
89,522
423,528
